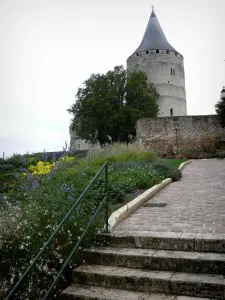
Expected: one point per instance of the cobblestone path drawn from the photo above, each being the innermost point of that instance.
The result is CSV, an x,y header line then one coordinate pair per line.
x,y
195,205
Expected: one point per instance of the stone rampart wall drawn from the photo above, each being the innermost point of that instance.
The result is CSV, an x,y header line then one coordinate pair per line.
x,y
179,134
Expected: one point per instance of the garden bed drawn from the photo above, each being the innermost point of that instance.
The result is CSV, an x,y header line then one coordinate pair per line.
x,y
43,198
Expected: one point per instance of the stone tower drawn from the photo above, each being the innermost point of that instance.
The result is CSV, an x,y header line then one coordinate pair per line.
x,y
164,68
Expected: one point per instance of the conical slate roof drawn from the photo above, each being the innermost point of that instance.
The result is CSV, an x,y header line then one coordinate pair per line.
x,y
154,37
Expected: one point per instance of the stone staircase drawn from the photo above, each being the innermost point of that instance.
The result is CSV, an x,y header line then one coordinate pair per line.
x,y
159,267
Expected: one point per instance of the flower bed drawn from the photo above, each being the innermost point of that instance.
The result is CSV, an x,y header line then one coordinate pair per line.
x,y
45,193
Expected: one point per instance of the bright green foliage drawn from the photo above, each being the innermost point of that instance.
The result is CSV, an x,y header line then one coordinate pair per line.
x,y
220,110
175,162
110,105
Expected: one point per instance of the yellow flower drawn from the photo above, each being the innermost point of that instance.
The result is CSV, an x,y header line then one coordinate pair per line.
x,y
41,168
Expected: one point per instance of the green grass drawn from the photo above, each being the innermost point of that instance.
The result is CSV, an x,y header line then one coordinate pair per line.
x,y
176,162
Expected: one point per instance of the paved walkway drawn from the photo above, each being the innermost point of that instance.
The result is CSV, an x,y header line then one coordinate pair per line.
x,y
195,205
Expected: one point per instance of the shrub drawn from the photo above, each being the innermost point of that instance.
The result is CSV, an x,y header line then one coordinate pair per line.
x,y
6,167
166,169
220,154
16,160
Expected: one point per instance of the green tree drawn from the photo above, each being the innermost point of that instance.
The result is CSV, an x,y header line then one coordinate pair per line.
x,y
141,101
110,105
220,110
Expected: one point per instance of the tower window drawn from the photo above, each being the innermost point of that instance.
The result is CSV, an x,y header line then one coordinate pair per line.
x,y
172,71
176,53
168,52
147,52
137,54
171,111
157,51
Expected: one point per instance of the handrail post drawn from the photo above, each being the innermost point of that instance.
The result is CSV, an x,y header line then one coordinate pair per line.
x,y
106,202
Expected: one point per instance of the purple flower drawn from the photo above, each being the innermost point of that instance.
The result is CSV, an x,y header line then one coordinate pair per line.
x,y
137,193
35,185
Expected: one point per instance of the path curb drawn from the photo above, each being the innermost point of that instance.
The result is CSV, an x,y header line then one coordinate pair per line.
x,y
123,212
181,167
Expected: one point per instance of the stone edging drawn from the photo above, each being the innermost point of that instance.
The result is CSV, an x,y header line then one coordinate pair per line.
x,y
181,167
123,212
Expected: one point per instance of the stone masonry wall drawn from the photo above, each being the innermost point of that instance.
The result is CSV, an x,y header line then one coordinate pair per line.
x,y
80,145
171,87
179,134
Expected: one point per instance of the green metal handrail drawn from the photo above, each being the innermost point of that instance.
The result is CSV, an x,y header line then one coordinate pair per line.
x,y
46,244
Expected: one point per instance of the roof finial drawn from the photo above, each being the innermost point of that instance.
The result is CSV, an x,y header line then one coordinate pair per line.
x,y
153,12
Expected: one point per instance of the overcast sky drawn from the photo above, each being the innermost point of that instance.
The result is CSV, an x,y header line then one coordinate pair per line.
x,y
49,47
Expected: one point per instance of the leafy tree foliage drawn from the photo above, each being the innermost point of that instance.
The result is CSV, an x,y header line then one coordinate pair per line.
x,y
110,104
220,110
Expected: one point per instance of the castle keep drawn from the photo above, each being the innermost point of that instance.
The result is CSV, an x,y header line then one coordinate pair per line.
x,y
173,130
164,68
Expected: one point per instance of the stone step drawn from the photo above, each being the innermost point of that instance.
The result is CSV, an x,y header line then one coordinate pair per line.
x,y
162,260
175,283
80,292
164,241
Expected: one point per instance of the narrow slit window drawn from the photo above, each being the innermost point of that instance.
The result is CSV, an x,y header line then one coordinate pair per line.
x,y
168,52
171,111
147,52
173,71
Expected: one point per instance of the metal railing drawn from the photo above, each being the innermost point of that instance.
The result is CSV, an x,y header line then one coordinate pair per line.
x,y
46,244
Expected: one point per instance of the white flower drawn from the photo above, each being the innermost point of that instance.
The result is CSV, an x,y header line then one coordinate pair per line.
x,y
22,247
45,268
